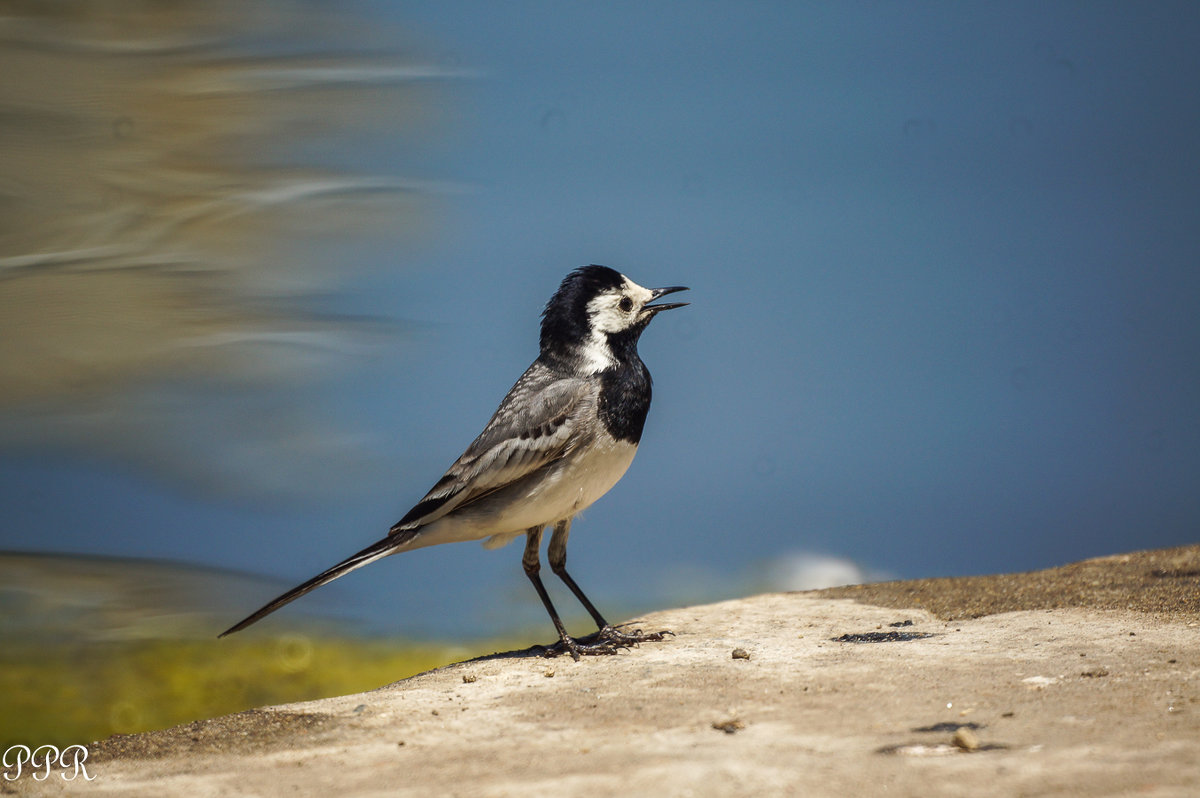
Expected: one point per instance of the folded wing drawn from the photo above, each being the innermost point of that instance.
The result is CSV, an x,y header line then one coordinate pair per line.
x,y
536,424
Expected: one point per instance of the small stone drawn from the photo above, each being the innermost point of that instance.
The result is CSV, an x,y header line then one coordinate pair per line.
x,y
741,653
965,739
729,726
549,674
468,678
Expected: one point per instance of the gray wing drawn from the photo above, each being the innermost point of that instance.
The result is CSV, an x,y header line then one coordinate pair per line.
x,y
538,422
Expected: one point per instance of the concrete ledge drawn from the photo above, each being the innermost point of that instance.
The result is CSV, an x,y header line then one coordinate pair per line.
x,y
1043,689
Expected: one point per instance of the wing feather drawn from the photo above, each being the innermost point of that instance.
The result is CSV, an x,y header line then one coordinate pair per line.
x,y
538,422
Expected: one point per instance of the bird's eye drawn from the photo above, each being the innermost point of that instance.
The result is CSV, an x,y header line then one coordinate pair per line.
x,y
626,304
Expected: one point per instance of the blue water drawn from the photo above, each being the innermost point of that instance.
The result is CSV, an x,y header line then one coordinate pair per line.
x,y
944,292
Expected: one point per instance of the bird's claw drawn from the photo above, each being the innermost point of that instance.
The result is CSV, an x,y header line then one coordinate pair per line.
x,y
608,640
579,648
632,638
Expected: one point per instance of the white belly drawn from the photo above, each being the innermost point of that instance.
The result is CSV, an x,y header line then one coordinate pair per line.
x,y
565,491
576,486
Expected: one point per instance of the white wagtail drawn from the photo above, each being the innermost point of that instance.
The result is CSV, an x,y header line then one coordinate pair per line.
x,y
563,436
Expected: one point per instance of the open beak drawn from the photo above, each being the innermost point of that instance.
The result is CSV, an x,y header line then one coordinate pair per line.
x,y
657,292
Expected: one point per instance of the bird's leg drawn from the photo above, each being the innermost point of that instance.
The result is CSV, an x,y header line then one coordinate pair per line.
x,y
557,554
532,565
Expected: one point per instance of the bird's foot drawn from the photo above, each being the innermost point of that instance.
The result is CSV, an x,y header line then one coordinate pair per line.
x,y
608,640
630,638
586,647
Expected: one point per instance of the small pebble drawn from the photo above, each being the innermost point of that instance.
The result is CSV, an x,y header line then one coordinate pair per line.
x,y
469,677
741,653
729,726
965,739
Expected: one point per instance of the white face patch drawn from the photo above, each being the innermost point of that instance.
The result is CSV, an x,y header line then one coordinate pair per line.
x,y
612,312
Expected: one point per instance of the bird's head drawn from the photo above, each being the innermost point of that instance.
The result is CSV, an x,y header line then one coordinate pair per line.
x,y
594,319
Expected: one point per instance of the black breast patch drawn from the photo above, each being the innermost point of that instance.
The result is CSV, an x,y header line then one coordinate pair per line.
x,y
625,400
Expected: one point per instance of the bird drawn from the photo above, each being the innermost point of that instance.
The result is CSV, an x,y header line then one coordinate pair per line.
x,y
565,433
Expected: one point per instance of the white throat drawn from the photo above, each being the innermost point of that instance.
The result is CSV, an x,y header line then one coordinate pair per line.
x,y
595,354
606,316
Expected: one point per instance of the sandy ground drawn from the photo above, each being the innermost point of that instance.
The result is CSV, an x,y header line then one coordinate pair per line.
x,y
1082,680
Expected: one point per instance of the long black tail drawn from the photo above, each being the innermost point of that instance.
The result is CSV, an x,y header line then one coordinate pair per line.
x,y
370,554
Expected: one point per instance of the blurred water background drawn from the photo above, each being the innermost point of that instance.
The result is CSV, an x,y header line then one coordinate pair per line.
x,y
267,267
